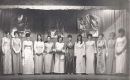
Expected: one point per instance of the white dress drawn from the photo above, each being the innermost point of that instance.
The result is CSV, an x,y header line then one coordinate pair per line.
x,y
7,58
121,58
101,56
79,52
90,51
48,59
16,52
28,62
59,58
38,58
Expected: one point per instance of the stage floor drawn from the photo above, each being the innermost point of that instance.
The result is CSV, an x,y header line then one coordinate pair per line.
x,y
63,77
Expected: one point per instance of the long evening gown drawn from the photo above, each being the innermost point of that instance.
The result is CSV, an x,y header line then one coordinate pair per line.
x,y
101,56
121,58
7,58
110,58
38,58
90,54
48,59
79,52
59,58
28,61
16,52
69,58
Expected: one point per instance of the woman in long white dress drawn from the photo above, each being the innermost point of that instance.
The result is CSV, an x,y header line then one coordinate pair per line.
x,y
110,65
59,56
38,57
16,46
48,59
120,52
28,57
90,54
7,56
79,53
101,54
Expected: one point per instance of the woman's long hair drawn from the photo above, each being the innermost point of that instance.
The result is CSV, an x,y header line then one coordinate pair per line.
x,y
81,39
59,38
40,36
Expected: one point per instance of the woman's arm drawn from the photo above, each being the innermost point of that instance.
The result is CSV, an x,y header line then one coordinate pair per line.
x,y
124,45
3,45
23,54
95,49
106,47
20,46
35,47
75,50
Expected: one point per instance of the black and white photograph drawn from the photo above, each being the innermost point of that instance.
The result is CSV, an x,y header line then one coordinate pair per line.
x,y
64,39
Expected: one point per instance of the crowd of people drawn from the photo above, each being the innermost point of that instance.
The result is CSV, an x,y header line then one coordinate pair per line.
x,y
98,56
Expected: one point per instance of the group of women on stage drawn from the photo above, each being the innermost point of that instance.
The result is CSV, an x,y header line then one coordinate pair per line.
x,y
90,57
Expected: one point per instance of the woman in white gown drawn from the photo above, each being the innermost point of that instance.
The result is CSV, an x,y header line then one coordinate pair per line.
x,y
120,52
48,59
90,54
59,56
110,61
79,53
38,57
28,57
16,52
7,57
101,54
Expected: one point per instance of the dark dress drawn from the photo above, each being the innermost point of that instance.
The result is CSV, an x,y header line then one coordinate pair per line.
x,y
69,58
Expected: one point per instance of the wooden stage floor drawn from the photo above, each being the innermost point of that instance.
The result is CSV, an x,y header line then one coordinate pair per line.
x,y
63,77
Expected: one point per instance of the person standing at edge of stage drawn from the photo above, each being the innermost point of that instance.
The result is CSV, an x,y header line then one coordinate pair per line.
x,y
79,53
16,52
69,56
7,56
121,52
90,54
28,57
38,57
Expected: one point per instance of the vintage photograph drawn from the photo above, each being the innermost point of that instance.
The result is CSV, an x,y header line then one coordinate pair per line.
x,y
64,40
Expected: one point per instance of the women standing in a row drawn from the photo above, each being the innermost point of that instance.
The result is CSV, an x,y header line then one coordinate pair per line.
x,y
69,56
48,58
90,54
101,54
79,52
59,55
38,57
16,53
28,57
7,57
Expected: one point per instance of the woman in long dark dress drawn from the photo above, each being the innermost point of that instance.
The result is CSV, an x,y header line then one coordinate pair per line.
x,y
69,56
